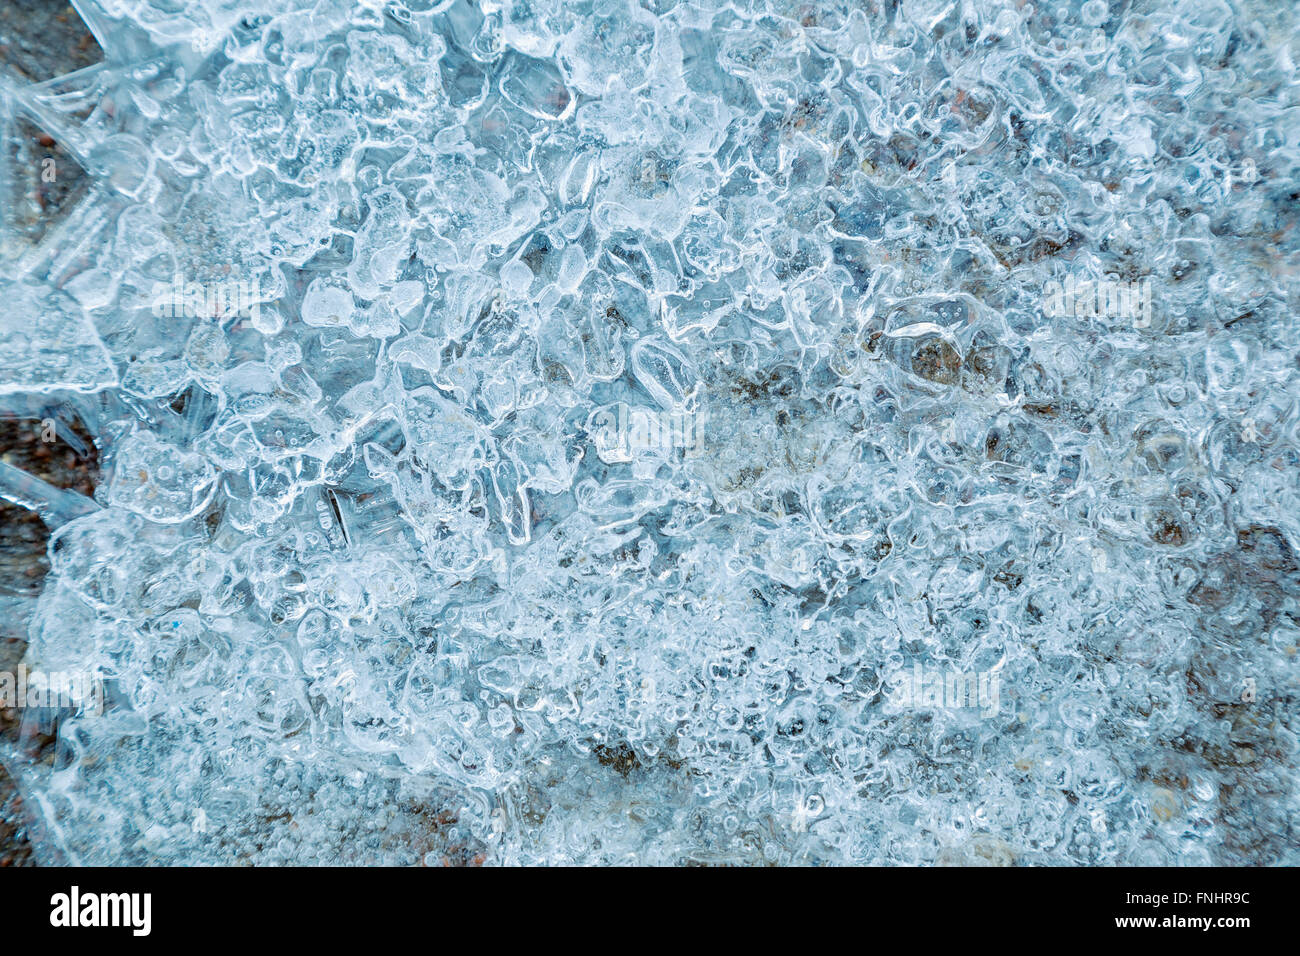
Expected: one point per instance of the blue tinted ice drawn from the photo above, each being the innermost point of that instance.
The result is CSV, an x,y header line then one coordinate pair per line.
x,y
657,431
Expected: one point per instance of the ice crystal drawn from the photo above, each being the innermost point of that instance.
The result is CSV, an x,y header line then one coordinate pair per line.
x,y
613,431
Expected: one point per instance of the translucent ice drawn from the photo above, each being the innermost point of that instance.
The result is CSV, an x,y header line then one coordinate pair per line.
x,y
672,432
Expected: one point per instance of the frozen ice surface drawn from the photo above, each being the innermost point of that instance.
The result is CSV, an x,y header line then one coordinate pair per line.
x,y
48,343
673,432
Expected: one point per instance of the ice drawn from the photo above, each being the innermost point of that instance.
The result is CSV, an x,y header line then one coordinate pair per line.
x,y
329,303
47,343
162,482
624,400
